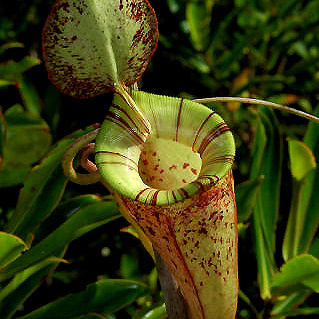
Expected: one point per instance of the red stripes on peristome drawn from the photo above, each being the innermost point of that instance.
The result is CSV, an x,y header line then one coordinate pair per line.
x,y
131,127
175,198
119,163
141,192
117,107
220,129
117,154
184,192
124,128
200,128
154,198
212,178
225,159
178,121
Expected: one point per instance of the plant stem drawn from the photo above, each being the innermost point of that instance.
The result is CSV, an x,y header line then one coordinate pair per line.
x,y
175,303
242,295
260,102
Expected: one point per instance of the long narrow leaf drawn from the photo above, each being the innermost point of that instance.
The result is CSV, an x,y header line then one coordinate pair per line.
x,y
301,163
301,312
21,286
309,201
246,194
29,96
55,244
290,302
101,297
42,191
11,247
266,161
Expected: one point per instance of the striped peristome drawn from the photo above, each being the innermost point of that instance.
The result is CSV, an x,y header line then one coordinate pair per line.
x,y
176,184
176,122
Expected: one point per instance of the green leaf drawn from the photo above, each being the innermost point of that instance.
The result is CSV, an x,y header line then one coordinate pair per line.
x,y
308,201
29,96
246,195
91,46
258,149
158,312
302,269
91,316
11,247
266,161
3,135
10,45
285,304
314,248
129,268
198,15
27,135
304,215
6,83
85,213
27,63
12,70
22,285
104,296
243,297
231,57
14,176
86,219
302,160
63,212
42,190
301,312
302,163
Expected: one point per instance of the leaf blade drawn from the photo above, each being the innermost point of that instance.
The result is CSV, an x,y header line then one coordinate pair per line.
x,y
302,269
89,46
86,219
267,161
100,297
11,247
42,190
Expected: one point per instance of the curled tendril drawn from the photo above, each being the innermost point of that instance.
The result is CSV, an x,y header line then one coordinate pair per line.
x,y
84,158
84,147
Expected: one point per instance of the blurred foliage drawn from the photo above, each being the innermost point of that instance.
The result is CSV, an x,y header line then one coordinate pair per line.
x,y
264,49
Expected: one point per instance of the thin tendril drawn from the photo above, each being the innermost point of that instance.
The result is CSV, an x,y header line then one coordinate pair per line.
x,y
260,102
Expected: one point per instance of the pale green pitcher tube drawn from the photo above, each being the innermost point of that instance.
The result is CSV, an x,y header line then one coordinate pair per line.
x,y
176,184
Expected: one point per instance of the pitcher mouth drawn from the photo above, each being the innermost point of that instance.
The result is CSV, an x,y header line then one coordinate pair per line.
x,y
190,149
168,165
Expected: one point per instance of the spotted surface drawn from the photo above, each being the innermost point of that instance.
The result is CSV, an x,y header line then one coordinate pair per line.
x,y
168,165
197,239
88,45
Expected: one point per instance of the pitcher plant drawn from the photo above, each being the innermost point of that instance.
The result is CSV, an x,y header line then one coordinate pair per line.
x,y
176,183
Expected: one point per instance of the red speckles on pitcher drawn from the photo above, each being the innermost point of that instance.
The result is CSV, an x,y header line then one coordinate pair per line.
x,y
199,244
211,247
